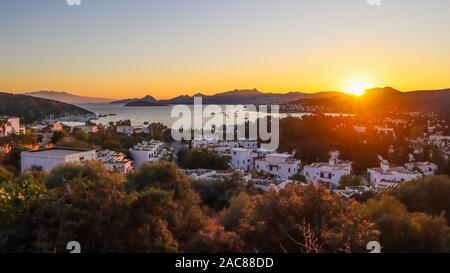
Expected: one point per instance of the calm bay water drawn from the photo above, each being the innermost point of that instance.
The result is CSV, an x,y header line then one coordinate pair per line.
x,y
140,115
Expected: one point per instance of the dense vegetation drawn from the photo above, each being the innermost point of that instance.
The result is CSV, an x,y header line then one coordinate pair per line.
x,y
313,137
202,159
31,109
158,209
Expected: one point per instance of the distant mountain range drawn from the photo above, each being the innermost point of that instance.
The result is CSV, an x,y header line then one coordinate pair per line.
x,y
374,100
31,109
246,96
67,98
383,100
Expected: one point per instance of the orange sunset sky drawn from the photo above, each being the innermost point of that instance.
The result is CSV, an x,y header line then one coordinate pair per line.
x,y
121,49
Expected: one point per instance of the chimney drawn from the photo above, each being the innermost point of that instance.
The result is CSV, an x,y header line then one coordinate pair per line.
x,y
384,165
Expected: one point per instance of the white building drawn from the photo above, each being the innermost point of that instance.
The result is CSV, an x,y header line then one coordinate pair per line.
x,y
384,130
349,192
384,176
115,161
213,175
360,129
125,129
426,168
141,130
242,159
47,159
220,146
278,165
248,144
203,142
147,151
267,185
330,172
9,126
90,128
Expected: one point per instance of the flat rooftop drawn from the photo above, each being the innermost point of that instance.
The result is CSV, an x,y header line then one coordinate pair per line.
x,y
280,155
59,151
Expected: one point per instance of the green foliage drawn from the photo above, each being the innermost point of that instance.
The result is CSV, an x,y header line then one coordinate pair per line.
x,y
429,194
298,177
5,175
87,204
401,231
11,160
202,159
217,194
230,217
69,172
16,196
58,136
350,181
186,217
304,219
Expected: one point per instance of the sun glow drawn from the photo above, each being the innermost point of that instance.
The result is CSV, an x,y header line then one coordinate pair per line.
x,y
357,87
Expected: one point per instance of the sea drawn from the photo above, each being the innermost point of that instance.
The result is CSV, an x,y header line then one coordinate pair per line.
x,y
141,115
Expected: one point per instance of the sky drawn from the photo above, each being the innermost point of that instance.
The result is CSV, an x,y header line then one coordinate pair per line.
x,y
166,48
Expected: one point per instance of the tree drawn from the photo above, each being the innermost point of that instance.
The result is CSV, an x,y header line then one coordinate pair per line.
x,y
230,217
429,194
202,159
58,136
92,207
401,231
5,175
217,194
215,239
350,181
275,222
185,218
299,177
66,173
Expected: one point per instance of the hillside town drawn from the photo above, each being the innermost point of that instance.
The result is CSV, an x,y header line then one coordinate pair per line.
x,y
264,169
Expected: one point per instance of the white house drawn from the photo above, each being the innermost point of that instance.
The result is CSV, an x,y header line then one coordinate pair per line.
x,y
115,161
278,165
125,129
203,143
147,151
426,168
9,126
242,159
330,172
267,185
384,130
384,176
360,129
213,175
47,159
248,144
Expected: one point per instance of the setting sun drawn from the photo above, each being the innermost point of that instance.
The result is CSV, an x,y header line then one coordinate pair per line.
x,y
357,86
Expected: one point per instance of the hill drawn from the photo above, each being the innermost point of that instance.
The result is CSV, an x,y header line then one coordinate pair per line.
x,y
31,109
382,100
246,96
66,97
